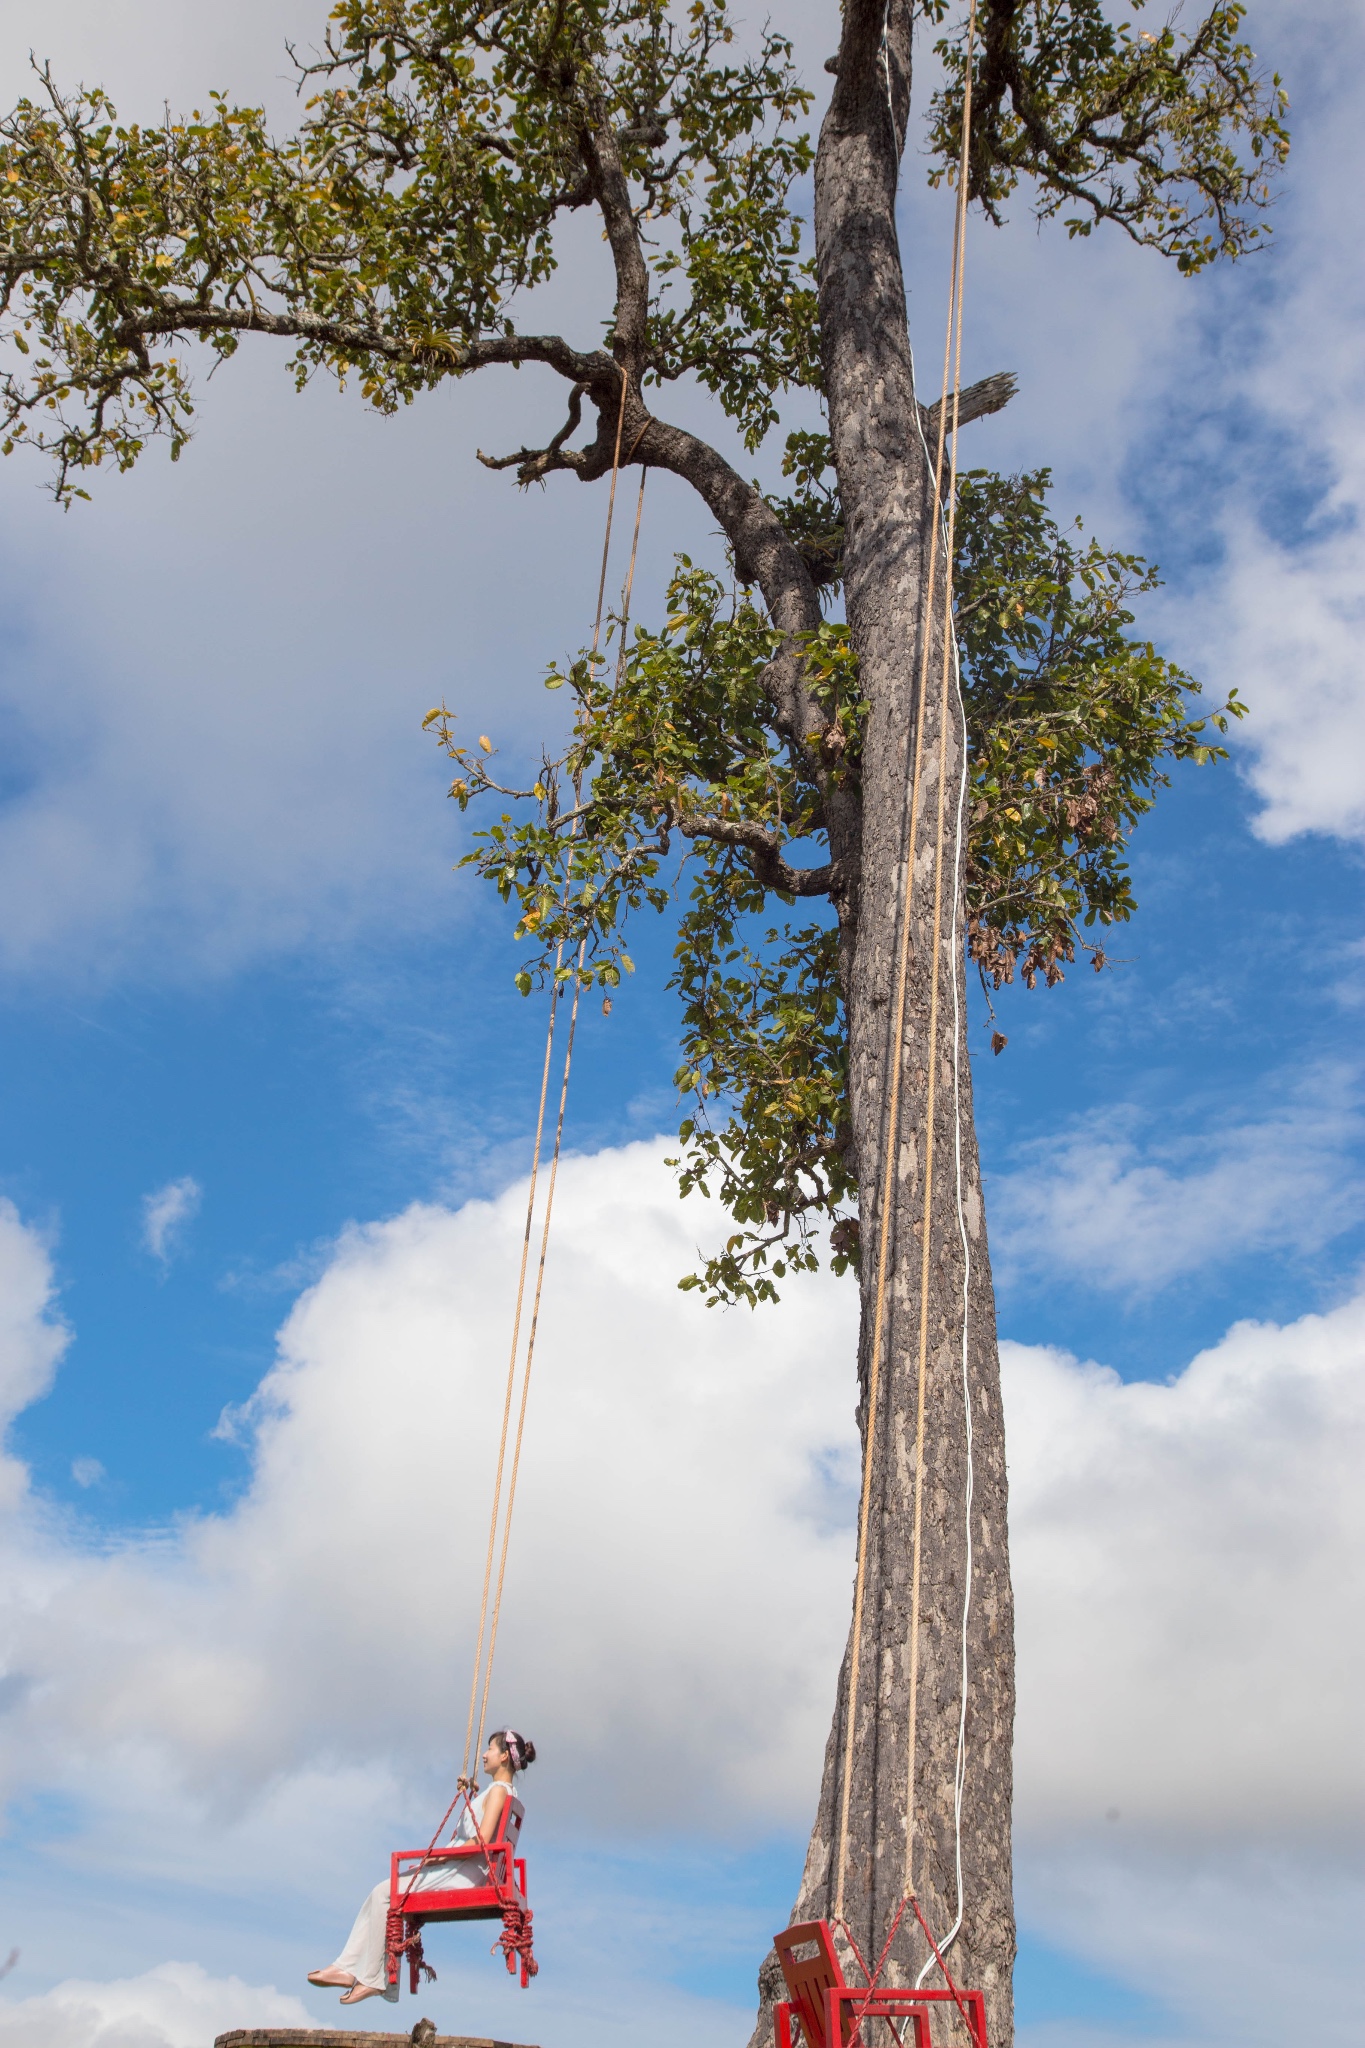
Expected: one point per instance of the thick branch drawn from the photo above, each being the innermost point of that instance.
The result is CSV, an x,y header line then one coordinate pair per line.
x,y
170,316
612,191
763,552
872,71
764,849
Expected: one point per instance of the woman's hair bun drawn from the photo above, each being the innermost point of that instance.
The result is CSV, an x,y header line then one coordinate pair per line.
x,y
521,1751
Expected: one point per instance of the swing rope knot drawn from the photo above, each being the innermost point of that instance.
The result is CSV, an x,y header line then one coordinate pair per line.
x,y
398,1942
515,1941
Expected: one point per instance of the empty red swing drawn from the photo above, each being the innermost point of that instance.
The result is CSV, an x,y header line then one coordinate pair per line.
x,y
830,2012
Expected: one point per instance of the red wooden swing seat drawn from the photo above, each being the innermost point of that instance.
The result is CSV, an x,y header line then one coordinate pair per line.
x,y
830,2013
501,1897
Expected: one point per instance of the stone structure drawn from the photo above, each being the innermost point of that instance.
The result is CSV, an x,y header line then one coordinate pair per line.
x,y
423,2035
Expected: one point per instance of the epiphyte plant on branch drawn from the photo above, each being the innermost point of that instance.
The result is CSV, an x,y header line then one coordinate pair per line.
x,y
395,240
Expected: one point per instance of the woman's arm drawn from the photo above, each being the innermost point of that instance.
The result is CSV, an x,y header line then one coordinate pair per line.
x,y
492,1812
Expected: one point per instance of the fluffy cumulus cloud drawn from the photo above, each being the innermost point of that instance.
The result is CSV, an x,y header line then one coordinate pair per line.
x,y
685,1482
248,1694
1186,1557
1189,1565
176,2005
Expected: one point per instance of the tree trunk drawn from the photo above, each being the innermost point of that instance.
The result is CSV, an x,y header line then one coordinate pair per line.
x,y
886,487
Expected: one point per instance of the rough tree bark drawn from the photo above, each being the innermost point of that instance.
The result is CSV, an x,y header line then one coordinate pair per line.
x,y
886,486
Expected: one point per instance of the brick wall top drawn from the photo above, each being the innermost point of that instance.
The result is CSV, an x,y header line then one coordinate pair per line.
x,y
337,2037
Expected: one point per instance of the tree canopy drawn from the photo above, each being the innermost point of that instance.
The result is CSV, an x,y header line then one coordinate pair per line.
x,y
396,238
1074,724
393,234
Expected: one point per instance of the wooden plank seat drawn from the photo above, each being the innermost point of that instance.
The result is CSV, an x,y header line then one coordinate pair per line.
x,y
501,1897
827,2010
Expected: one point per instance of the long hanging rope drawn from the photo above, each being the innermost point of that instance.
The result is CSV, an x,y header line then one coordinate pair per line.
x,y
559,1135
955,336
897,1042
556,990
511,1382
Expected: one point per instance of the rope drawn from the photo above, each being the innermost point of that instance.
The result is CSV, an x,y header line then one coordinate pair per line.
x,y
462,1792
507,1399
938,1958
556,990
953,339
871,1976
897,1048
559,1127
516,1936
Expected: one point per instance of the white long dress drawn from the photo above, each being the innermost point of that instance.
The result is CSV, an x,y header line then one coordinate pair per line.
x,y
363,1955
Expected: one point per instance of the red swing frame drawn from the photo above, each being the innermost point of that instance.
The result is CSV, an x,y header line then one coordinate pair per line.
x,y
830,2012
502,1898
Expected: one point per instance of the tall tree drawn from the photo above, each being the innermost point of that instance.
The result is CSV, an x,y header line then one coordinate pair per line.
x,y
390,240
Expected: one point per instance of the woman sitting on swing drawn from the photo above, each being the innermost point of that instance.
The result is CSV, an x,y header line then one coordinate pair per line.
x,y
359,1971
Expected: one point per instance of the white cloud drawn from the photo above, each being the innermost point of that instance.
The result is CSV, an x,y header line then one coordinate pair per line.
x,y
1189,1565
1287,629
165,1214
32,1335
1123,1203
248,641
676,1471
1283,619
246,1707
175,2005
1189,1562
1208,1938
87,1471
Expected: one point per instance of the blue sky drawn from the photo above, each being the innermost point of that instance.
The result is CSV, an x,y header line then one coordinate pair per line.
x,y
237,963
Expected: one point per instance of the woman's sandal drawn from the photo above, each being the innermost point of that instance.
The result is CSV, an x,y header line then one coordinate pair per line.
x,y
331,1980
359,1991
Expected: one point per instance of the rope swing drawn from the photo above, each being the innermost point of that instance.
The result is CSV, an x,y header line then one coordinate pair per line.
x,y
505,1894
487,1636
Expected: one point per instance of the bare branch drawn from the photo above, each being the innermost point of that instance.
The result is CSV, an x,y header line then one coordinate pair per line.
x,y
991,394
532,464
